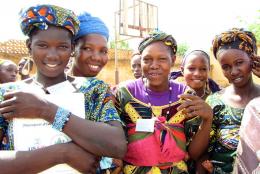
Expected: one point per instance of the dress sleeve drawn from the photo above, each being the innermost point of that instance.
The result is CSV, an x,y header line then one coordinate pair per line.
x,y
99,104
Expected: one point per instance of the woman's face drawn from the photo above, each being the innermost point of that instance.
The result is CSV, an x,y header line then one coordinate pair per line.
x,y
196,70
236,66
156,65
8,72
136,66
91,55
51,50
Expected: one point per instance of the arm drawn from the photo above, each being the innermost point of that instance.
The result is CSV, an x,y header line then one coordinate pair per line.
x,y
12,162
92,136
195,106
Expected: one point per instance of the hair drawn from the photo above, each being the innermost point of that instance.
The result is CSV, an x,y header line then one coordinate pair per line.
x,y
195,52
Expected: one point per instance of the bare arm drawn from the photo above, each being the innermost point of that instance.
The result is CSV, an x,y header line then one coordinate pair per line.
x,y
195,106
12,162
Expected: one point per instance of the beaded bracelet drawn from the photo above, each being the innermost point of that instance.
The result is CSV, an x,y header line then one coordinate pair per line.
x,y
61,118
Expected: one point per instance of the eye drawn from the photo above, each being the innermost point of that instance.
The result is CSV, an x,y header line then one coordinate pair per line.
x,y
225,67
42,45
238,63
86,48
191,68
104,51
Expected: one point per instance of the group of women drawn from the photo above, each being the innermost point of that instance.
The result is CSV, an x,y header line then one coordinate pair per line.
x,y
154,124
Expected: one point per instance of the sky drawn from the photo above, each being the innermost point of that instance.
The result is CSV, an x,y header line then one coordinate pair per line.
x,y
194,22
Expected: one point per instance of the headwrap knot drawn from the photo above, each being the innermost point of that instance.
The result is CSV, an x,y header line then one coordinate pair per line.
x,y
168,40
41,16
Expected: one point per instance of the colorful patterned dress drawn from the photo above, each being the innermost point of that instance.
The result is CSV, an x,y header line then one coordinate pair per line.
x,y
224,134
98,106
164,150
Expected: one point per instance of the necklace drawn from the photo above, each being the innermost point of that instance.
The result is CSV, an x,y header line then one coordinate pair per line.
x,y
149,101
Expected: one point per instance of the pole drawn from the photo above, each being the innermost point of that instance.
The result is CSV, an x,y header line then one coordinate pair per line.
x,y
116,58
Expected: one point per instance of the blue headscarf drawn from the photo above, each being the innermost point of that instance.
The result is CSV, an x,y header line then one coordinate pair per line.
x,y
91,25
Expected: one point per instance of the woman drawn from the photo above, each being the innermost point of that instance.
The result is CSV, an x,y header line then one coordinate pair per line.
x,y
25,66
91,51
51,30
8,71
235,50
153,114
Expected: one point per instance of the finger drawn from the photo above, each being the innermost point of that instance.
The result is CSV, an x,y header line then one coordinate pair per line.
x,y
7,110
184,105
188,97
8,102
9,95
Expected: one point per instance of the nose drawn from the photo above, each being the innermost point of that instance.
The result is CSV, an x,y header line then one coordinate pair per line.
x,y
95,56
52,54
154,65
234,71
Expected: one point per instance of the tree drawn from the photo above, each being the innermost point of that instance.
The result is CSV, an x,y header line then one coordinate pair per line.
x,y
182,48
120,45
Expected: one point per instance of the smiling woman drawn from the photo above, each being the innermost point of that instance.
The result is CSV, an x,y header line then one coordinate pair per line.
x,y
235,50
36,114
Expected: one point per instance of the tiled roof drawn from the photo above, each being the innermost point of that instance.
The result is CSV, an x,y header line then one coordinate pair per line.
x,y
13,47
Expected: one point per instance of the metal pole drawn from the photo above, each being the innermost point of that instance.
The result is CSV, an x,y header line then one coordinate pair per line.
x,y
116,58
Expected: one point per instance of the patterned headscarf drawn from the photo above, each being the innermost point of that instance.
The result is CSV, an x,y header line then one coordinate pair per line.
x,y
91,25
235,39
168,40
41,16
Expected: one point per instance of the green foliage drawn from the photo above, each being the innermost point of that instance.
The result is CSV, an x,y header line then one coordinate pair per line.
x,y
255,27
182,48
120,45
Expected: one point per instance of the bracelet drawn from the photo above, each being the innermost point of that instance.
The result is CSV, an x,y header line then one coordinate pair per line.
x,y
61,118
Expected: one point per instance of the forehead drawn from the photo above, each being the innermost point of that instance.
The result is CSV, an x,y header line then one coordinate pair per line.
x,y
94,39
156,48
53,33
231,55
196,58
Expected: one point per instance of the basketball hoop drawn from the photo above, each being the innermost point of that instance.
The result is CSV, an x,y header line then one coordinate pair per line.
x,y
135,19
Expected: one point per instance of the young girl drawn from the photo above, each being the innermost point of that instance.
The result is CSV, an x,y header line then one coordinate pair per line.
x,y
136,65
51,30
153,114
235,50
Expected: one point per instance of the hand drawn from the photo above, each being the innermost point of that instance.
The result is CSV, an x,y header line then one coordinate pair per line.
x,y
256,66
194,106
18,104
81,160
117,162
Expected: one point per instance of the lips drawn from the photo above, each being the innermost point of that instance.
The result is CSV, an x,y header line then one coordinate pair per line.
x,y
238,79
52,65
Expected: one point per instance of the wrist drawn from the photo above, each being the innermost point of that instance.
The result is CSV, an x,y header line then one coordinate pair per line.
x,y
49,111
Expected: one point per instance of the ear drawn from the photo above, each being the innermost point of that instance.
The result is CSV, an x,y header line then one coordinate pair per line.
x,y
182,69
28,45
173,59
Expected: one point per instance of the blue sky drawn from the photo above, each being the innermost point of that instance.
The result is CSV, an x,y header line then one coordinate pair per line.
x,y
194,22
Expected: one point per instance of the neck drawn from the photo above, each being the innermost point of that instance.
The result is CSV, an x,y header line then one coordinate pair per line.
x,y
49,81
161,88
75,72
245,90
200,92
23,77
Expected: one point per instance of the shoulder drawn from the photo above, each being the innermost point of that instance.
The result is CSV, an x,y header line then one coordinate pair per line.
x,y
84,84
215,98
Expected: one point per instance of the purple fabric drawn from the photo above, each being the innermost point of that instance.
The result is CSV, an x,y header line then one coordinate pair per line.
x,y
137,89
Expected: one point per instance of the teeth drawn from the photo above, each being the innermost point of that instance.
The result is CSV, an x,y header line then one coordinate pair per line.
x,y
237,79
51,65
94,66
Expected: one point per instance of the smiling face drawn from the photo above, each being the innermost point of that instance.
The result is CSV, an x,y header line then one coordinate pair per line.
x,y
236,66
51,50
8,72
156,65
195,70
136,66
91,55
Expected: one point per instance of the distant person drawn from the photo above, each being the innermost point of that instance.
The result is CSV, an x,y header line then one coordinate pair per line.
x,y
234,49
8,71
136,65
25,66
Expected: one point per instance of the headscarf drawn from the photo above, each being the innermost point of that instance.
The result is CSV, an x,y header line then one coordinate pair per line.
x,y
41,16
91,25
168,40
211,85
236,38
